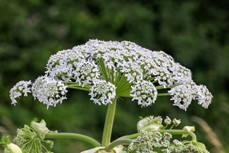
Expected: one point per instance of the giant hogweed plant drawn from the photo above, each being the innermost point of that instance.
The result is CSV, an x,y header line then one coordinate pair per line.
x,y
109,70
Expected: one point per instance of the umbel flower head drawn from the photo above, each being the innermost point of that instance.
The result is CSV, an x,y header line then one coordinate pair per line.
x,y
109,70
30,141
157,135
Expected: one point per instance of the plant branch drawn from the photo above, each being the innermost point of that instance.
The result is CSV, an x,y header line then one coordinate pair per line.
x,y
117,142
53,135
181,132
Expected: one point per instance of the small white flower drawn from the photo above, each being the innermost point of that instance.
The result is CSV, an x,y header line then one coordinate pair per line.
x,y
176,122
49,91
188,129
144,92
167,120
22,88
102,92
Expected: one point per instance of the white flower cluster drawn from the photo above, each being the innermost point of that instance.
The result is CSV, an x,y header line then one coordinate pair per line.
x,y
46,89
110,69
203,96
155,141
144,92
149,141
182,95
155,135
186,146
49,91
22,88
102,92
71,65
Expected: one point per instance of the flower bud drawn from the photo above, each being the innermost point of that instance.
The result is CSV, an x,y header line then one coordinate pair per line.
x,y
12,148
40,128
167,120
176,122
189,128
150,123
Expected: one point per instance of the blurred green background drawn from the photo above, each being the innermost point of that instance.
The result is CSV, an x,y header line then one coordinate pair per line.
x,y
194,32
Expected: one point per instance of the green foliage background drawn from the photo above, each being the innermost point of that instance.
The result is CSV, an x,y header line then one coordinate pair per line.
x,y
194,32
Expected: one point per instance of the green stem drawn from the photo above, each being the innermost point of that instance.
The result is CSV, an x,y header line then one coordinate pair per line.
x,y
74,85
118,142
79,88
131,136
163,94
108,125
124,140
103,69
82,137
159,87
181,132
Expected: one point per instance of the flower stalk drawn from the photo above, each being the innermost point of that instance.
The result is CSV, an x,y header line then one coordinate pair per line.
x,y
117,143
180,132
108,125
53,135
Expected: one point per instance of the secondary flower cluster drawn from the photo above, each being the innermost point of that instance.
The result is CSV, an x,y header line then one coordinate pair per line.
x,y
21,88
29,141
156,135
110,69
154,141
